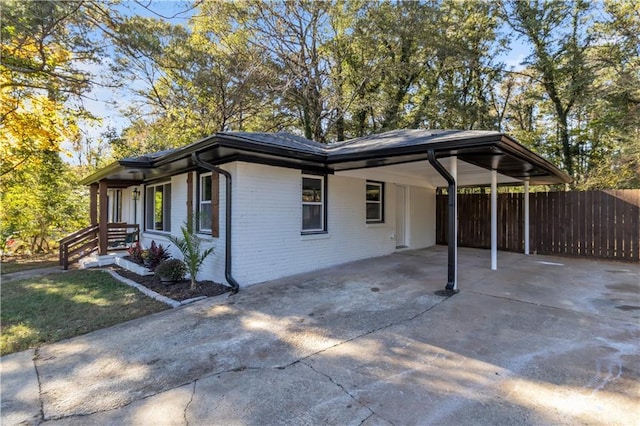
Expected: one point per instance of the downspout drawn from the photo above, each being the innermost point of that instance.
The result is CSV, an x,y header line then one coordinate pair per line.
x,y
227,232
451,286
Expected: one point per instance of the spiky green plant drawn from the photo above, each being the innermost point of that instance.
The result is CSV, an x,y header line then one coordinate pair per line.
x,y
190,245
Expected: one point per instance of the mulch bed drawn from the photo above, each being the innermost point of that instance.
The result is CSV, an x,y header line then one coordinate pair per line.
x,y
179,291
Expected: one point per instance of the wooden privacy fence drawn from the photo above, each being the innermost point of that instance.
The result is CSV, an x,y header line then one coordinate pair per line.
x,y
601,224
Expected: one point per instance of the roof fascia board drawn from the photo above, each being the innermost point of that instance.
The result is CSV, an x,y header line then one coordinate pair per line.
x,y
513,148
311,166
231,141
102,173
255,151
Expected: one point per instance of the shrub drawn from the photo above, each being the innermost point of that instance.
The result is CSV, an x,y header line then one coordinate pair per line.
x,y
136,253
171,270
154,255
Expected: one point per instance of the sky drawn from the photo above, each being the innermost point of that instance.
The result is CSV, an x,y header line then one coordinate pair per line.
x,y
106,103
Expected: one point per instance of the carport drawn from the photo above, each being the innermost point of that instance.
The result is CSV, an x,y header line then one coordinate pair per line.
x,y
451,159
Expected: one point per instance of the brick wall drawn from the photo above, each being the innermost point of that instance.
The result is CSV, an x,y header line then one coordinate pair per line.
x,y
268,216
267,243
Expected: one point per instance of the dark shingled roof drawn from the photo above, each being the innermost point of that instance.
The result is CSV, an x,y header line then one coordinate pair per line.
x,y
404,138
486,149
280,140
400,138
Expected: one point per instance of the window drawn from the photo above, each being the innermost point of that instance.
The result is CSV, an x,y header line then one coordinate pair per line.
x,y
158,207
208,204
205,210
313,204
375,202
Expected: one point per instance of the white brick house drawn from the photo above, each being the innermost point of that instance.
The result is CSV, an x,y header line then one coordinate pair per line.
x,y
297,205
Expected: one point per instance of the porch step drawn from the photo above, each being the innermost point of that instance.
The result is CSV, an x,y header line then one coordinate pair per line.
x,y
95,261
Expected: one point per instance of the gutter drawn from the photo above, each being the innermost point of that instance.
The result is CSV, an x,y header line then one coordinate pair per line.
x,y
451,286
227,233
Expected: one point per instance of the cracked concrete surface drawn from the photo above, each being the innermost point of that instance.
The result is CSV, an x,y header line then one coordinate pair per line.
x,y
540,341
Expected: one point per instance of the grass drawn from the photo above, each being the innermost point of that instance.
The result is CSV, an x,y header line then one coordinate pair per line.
x,y
19,263
54,307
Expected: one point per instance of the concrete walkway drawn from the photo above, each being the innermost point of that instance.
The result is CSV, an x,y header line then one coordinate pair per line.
x,y
31,273
543,340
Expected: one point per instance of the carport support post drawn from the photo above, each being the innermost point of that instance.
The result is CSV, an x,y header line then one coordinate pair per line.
x,y
526,217
494,220
453,210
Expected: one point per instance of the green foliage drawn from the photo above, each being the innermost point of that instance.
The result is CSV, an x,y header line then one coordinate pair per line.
x,y
51,308
577,102
47,47
43,204
136,253
326,70
154,255
171,269
336,70
190,245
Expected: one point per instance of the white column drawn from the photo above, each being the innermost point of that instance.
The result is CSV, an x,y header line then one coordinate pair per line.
x,y
494,220
454,173
526,217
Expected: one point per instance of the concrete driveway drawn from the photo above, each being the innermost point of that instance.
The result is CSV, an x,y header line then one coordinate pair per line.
x,y
543,340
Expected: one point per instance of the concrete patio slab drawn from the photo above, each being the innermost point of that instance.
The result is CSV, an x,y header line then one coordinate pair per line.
x,y
368,342
503,361
20,393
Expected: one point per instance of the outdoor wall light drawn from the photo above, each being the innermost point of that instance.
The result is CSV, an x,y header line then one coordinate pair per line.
x,y
136,194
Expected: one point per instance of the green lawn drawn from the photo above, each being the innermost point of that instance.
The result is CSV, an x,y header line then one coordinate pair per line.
x,y
50,308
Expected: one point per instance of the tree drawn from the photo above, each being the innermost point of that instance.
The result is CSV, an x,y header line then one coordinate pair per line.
x,y
556,32
577,101
340,69
43,44
46,48
612,115
52,206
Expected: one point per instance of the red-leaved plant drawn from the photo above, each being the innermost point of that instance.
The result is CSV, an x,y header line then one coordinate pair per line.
x,y
136,253
155,254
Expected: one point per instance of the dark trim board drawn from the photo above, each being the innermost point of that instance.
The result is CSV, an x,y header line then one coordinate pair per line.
x,y
488,150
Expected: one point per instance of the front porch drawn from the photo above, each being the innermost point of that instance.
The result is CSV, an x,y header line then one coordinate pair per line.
x,y
114,237
113,202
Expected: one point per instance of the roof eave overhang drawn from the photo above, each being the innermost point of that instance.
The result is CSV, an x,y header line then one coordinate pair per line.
x,y
103,173
216,149
496,151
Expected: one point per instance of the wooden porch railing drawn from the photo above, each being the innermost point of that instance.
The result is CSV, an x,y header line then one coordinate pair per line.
x,y
77,245
120,236
81,243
